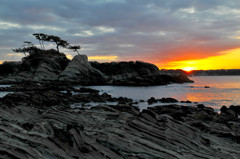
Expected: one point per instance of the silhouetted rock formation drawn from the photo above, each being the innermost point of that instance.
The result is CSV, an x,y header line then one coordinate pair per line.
x,y
42,66
137,74
163,100
51,66
223,72
8,68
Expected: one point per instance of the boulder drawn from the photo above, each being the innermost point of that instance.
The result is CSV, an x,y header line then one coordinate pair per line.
x,y
227,114
80,71
152,100
48,70
168,100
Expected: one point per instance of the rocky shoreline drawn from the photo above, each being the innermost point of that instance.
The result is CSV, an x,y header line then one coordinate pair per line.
x,y
39,122
51,67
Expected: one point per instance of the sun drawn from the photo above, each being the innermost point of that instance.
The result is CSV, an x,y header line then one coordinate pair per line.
x,y
188,69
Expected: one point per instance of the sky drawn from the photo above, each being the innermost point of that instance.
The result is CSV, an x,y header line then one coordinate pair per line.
x,y
173,34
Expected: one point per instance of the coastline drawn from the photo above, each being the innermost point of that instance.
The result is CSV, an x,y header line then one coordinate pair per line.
x,y
40,122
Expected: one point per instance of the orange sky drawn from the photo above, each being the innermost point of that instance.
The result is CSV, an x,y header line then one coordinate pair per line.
x,y
172,34
229,59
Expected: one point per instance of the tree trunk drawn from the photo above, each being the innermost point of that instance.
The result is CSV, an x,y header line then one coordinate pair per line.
x,y
43,46
40,44
57,47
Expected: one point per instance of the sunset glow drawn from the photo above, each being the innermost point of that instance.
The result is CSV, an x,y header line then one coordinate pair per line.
x,y
189,35
229,59
188,69
99,58
103,58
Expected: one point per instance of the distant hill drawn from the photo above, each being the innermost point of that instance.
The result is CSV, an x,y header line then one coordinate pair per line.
x,y
223,72
229,72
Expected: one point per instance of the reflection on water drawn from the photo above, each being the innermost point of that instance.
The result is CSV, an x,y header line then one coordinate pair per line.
x,y
224,90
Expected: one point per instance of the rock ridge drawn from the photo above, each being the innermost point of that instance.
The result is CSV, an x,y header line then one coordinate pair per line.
x,y
42,124
50,66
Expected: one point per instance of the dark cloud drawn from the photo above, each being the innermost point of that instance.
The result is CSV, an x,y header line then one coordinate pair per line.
x,y
153,30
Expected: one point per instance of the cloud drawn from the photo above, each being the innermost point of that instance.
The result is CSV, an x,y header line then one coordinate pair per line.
x,y
154,30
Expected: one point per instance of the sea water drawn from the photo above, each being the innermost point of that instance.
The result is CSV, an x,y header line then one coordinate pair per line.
x,y
223,90
2,94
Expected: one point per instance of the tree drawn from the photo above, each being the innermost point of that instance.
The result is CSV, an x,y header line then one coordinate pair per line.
x,y
24,50
28,43
74,48
58,41
28,47
39,37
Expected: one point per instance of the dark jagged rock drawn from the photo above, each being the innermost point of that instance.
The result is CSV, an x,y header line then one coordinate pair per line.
x,y
87,90
8,68
50,66
163,100
152,100
168,100
42,66
136,74
42,125
228,113
187,101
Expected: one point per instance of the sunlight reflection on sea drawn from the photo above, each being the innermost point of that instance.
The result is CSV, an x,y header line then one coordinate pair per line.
x,y
224,90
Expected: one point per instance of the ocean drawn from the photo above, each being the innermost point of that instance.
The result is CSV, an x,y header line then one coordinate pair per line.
x,y
2,94
223,90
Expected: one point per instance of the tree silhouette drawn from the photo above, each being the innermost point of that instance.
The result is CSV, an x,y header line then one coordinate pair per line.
x,y
40,37
58,41
74,48
24,50
28,43
28,46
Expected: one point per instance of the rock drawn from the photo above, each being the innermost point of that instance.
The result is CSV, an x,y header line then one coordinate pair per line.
x,y
31,128
41,66
235,108
87,90
48,70
163,100
200,106
152,100
80,71
51,66
124,100
136,74
186,101
126,108
168,100
227,114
